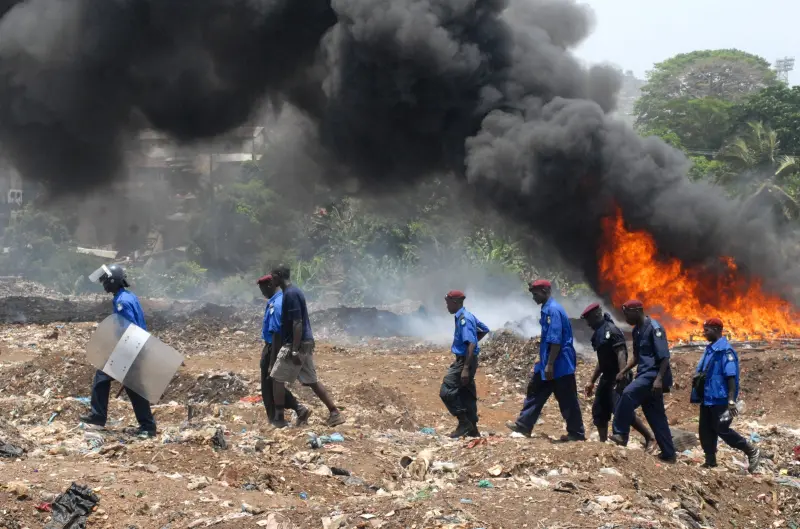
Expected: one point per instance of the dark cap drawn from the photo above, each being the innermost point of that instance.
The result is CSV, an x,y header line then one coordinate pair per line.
x,y
455,294
713,322
632,304
589,309
539,283
264,279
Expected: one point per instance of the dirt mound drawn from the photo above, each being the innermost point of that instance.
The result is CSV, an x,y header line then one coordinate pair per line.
x,y
382,406
63,375
208,388
510,355
11,441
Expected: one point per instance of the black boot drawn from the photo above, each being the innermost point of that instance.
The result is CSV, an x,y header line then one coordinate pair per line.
x,y
279,421
464,427
711,461
753,458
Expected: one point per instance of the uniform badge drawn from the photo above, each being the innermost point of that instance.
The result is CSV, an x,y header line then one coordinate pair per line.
x,y
548,320
730,357
658,333
271,310
463,321
119,306
608,335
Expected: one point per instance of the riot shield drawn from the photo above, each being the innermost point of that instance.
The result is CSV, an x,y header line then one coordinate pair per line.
x,y
132,356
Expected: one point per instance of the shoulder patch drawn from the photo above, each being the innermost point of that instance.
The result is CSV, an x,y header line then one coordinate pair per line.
x,y
548,319
119,306
608,335
659,333
730,357
463,321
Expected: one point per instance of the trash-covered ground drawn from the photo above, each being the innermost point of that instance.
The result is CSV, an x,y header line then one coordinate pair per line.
x,y
216,462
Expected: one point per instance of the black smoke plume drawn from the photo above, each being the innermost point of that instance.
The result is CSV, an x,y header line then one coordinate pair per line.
x,y
399,90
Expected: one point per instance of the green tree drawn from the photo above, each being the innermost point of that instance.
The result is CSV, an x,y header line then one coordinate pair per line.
x,y
778,107
692,94
759,174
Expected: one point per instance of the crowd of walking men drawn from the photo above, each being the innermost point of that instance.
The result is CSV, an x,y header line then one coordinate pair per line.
x,y
288,355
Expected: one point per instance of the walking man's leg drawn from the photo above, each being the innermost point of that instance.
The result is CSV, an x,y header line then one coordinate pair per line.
x,y
625,411
144,415
708,436
656,415
538,392
101,387
735,440
566,393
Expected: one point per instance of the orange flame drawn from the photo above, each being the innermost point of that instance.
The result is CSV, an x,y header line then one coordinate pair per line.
x,y
681,297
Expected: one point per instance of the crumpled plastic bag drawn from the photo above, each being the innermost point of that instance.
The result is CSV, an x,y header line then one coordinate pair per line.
x,y
71,508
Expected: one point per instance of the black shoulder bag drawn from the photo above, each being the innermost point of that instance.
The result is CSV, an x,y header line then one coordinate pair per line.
x,y
699,380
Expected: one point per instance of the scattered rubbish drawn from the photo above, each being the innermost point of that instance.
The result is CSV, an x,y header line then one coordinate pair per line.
x,y
44,507
796,451
315,441
84,400
787,481
754,437
565,486
443,466
198,483
70,509
466,501
303,496
540,483
9,450
340,471
246,507
683,440
218,441
53,416
252,399
517,435
18,489
611,472
428,431
477,442
485,484
368,516
608,501
495,471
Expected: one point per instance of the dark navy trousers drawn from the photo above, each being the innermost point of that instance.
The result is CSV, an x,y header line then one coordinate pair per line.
x,y
640,393
101,387
565,390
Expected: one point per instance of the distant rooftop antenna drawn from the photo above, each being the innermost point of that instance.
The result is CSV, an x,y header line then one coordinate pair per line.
x,y
783,67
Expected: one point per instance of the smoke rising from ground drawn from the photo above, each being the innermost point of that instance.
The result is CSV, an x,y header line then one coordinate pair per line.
x,y
398,89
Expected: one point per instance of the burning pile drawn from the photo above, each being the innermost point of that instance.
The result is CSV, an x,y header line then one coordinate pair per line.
x,y
683,297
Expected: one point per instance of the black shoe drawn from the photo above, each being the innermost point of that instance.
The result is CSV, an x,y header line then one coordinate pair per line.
x,y
92,420
711,462
145,433
618,440
280,423
753,458
303,414
670,460
474,432
570,438
515,427
463,429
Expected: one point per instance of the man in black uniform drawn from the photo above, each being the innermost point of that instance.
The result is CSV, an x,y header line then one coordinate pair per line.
x,y
612,357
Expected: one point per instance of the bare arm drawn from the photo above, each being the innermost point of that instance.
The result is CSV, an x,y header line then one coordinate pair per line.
x,y
632,361
297,334
662,368
555,350
467,364
731,388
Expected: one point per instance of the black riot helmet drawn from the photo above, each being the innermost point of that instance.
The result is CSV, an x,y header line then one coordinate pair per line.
x,y
114,278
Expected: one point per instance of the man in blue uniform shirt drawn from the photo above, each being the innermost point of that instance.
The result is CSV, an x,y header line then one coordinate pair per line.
x,y
270,327
126,304
716,388
653,379
608,341
554,373
458,391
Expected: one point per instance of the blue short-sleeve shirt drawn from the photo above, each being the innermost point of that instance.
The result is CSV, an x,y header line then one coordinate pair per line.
x,y
466,332
127,305
272,312
556,329
651,347
722,362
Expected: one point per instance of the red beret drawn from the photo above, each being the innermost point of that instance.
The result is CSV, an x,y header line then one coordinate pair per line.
x,y
455,294
264,279
540,283
713,322
632,304
589,309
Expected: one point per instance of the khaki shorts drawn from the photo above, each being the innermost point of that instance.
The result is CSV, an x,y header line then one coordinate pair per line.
x,y
287,371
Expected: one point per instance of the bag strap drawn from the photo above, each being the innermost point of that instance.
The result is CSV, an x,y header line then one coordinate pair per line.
x,y
710,364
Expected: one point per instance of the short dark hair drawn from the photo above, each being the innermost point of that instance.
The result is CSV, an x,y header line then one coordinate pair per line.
x,y
282,271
